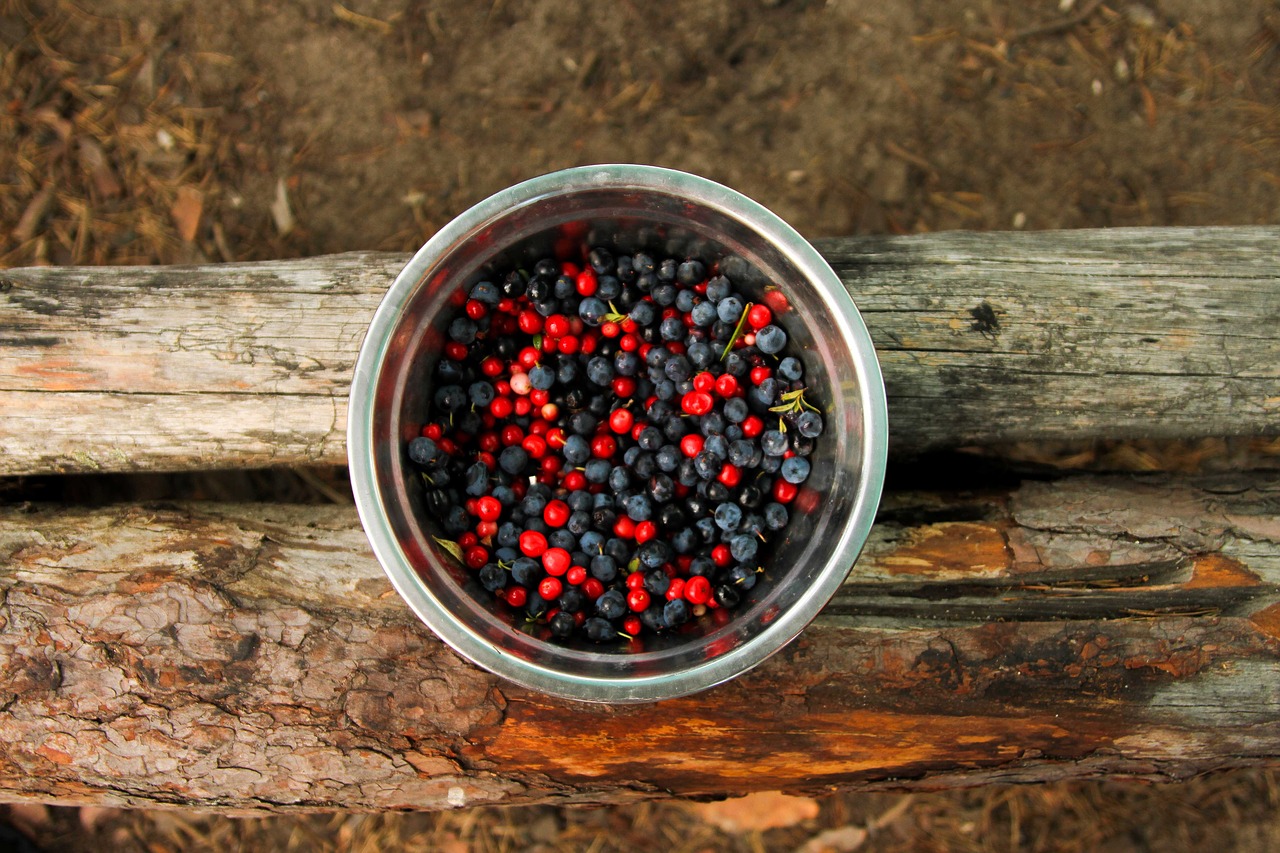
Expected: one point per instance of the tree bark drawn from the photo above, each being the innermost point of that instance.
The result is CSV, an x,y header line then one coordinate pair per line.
x,y
254,658
1166,333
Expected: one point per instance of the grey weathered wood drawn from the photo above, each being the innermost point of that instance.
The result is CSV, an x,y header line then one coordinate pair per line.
x,y
249,657
1116,333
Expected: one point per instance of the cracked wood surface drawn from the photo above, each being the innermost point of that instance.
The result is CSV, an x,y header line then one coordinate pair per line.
x,y
253,657
1052,335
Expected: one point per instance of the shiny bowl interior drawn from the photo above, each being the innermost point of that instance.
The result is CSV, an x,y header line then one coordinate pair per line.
x,y
626,208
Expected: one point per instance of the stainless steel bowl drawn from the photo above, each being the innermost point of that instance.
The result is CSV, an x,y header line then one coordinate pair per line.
x,y
628,207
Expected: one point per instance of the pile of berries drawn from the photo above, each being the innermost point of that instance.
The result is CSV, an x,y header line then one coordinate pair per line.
x,y
610,445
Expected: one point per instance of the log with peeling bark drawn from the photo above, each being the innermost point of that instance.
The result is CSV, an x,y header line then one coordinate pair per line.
x,y
1167,333
250,657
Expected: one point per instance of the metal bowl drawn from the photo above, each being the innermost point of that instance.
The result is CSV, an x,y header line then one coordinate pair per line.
x,y
628,208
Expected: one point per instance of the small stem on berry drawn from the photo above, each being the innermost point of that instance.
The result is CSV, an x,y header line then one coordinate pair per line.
x,y
737,332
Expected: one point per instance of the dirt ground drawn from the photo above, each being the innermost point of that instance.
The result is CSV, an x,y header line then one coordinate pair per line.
x,y
170,131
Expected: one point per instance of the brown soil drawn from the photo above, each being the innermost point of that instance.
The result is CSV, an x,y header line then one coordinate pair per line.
x,y
166,131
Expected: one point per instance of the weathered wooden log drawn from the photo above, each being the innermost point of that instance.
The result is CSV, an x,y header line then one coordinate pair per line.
x,y
250,657
1054,335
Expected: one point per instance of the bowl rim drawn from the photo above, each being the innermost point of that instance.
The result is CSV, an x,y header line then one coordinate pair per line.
x,y
373,512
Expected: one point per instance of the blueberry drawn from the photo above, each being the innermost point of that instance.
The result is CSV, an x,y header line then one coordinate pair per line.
x,y
578,523
618,549
795,470
712,423
742,577
423,451
597,470
664,389
638,507
750,496
706,464
675,613
770,464
600,370
727,596
604,568
562,624
643,264
718,288
611,605
644,466
601,261
599,630
650,438
564,287
743,547
672,329
626,269
486,292
809,424
592,542
790,369
702,566
626,363
668,458
477,479
562,538
505,554
717,446
567,371
571,600
539,289
706,528
542,377
450,372
583,423
771,339
674,429
643,313
740,453
735,410
646,282
533,503
450,398
592,310
684,540
508,535
664,294
546,268
513,459
661,488
691,272
463,330
775,516
526,572
685,300
577,450
653,553
703,314
608,287
656,582
619,477
456,521
701,355
492,577
773,442
728,516
729,309
667,269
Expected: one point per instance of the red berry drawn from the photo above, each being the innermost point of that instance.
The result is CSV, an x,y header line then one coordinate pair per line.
x,y
575,480
776,300
535,446
631,625
759,316
624,387
507,305
675,589
620,420
455,350
730,475
476,310
691,445
516,596
752,426
638,599
488,442
556,561
645,531
629,343
696,402
586,282
555,438
784,492
624,527
529,322
576,575
592,589
475,556
636,429
533,543
433,431
491,366
512,434
485,529
727,386
489,508
539,398
697,590
521,406
568,345
569,268
550,588
720,555
528,357
556,512
760,374
603,446
635,580
557,325
501,407
704,381
610,329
